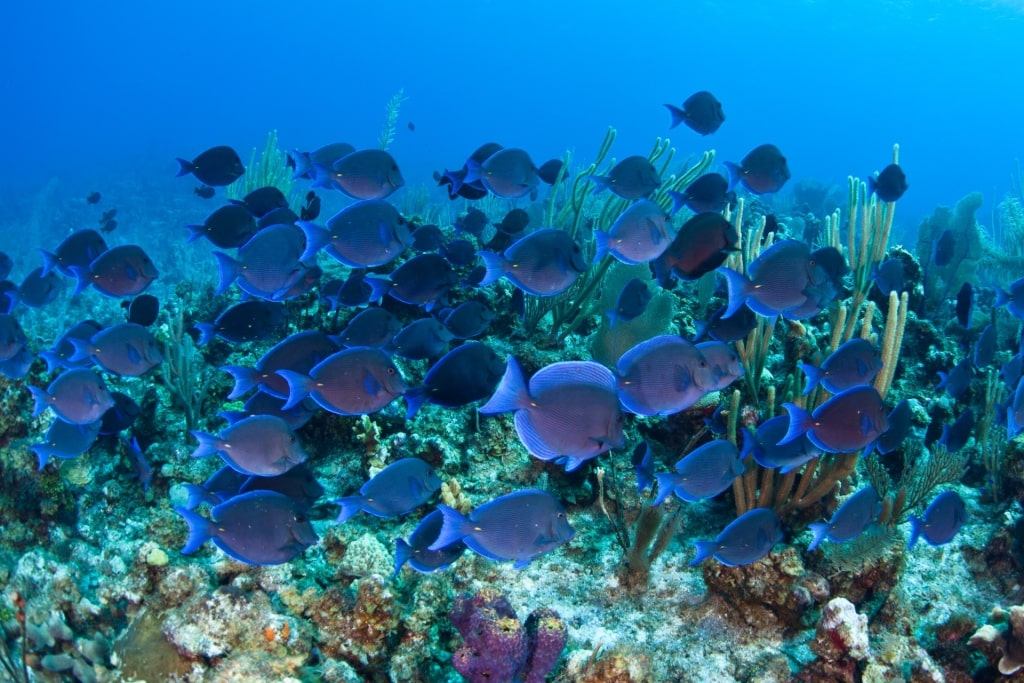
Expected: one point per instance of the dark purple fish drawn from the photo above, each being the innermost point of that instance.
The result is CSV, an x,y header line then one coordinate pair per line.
x,y
308,279
852,518
985,347
283,216
514,222
543,263
467,320
703,473
298,483
662,376
8,296
216,167
569,413
701,112
118,272
427,238
701,245
763,170
65,440
121,415
770,454
508,173
899,428
423,280
37,290
890,184
473,223
639,235
93,198
940,522
643,465
12,337
142,310
1012,298
396,490
955,436
310,210
372,327
958,380
204,191
775,281
847,422
420,339
302,162
262,201
632,178
1015,412
460,253
362,235
365,174
1011,371
708,193
723,365
80,248
262,403
282,533
229,227
262,445
356,381
746,540
517,526
889,276
549,170
142,467
355,291
631,303
18,365
855,362
456,180
222,485
465,374
965,305
416,551
127,349
244,322
79,396
942,253
300,352
727,329
267,265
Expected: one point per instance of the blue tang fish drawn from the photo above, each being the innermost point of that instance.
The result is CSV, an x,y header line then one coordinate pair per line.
x,y
845,423
467,320
853,363
955,436
517,526
958,380
662,376
363,174
899,428
727,329
1012,298
788,456
118,272
420,339
127,349
300,353
396,490
747,539
569,412
985,347
372,327
1014,412
356,381
267,265
12,337
229,227
631,304
940,522
632,178
298,483
763,170
465,374
641,234
543,263
301,163
362,235
261,445
852,518
889,276
423,280
78,396
80,248
417,553
508,173
708,193
258,528
65,440
245,321
703,473
775,281
643,465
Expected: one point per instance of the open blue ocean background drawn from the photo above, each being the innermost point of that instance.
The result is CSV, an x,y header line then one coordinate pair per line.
x,y
112,89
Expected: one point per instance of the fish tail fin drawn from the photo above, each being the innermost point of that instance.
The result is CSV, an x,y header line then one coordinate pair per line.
x,y
747,448
232,416
454,527
197,495
316,239
207,333
739,289
49,262
915,531
43,452
207,444
678,115
414,400
194,232
82,350
666,485
495,265
245,380
820,531
378,288
705,549
1002,297
300,162
83,278
814,375
474,172
349,506
512,392
403,551
184,167
601,183
601,242
872,185
799,422
53,361
298,387
678,201
943,380
42,400
228,270
735,173
200,530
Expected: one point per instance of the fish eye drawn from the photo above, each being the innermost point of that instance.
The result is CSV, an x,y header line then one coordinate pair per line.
x,y
561,515
391,371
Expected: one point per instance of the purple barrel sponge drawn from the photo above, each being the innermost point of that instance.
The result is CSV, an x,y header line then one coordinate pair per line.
x,y
546,637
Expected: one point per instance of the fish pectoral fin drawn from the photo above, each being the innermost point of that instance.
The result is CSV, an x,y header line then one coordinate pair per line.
x,y
133,355
656,233
371,385
866,425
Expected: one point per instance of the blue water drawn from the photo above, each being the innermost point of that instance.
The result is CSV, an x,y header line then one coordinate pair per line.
x,y
99,90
